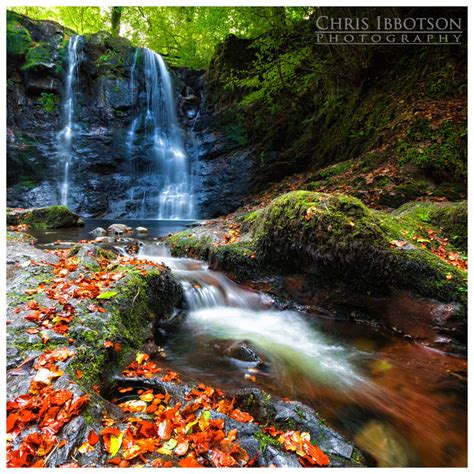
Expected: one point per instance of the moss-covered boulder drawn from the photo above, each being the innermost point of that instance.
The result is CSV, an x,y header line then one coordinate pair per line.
x,y
339,239
52,217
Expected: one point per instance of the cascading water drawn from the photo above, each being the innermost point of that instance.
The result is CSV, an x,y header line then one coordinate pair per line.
x,y
133,97
172,174
66,135
224,310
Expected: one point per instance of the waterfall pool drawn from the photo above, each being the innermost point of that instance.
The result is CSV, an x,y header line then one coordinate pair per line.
x,y
156,229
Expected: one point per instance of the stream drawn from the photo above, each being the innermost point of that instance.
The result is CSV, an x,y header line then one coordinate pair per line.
x,y
401,403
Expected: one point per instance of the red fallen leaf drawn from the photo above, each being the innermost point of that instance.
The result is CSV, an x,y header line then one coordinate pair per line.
x,y
189,461
32,305
22,401
59,397
93,438
272,431
108,343
170,375
241,416
221,459
117,347
315,454
40,443
79,374
116,460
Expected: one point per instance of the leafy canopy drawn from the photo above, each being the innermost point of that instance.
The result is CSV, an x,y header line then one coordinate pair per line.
x,y
186,36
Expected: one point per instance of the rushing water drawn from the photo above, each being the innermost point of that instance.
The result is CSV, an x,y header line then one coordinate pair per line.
x,y
403,404
66,135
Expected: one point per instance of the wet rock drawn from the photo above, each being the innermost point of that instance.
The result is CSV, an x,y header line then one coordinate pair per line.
x,y
118,229
277,458
142,230
242,350
98,231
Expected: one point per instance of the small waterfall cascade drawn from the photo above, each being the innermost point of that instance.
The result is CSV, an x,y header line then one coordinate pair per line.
x,y
174,199
220,308
66,135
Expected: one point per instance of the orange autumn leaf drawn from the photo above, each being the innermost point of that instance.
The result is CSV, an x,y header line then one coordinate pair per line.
x,y
241,416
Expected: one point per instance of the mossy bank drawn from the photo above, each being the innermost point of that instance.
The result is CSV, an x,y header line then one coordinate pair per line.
x,y
338,243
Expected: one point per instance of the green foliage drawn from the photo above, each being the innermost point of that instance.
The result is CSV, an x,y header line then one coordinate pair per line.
x,y
48,101
186,36
112,57
236,133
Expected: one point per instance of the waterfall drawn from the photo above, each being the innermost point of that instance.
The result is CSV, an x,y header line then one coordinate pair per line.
x,y
66,135
175,198
133,96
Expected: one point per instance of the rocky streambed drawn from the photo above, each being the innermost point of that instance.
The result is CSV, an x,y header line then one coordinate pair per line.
x,y
83,391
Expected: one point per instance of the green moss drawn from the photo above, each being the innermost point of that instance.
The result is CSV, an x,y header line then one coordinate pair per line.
x,y
338,239
27,182
185,243
441,153
18,37
405,192
265,440
238,258
37,55
52,217
333,170
450,217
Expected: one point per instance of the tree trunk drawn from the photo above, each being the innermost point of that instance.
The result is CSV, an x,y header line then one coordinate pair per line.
x,y
116,17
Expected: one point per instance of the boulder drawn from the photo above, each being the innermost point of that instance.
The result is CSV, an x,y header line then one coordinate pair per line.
x,y
242,350
98,232
52,217
118,229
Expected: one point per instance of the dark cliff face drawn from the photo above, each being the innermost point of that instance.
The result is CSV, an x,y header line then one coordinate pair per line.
x,y
106,176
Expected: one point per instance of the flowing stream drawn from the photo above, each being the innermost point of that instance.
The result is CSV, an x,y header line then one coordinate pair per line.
x,y
403,404
66,135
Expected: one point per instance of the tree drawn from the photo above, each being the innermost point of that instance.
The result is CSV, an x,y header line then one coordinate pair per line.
x,y
116,17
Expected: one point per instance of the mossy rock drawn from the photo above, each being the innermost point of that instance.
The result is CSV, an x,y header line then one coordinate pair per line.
x,y
406,192
339,240
39,55
52,217
18,37
450,216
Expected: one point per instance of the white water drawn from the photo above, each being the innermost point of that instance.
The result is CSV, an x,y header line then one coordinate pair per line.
x,y
66,135
175,198
224,310
133,95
